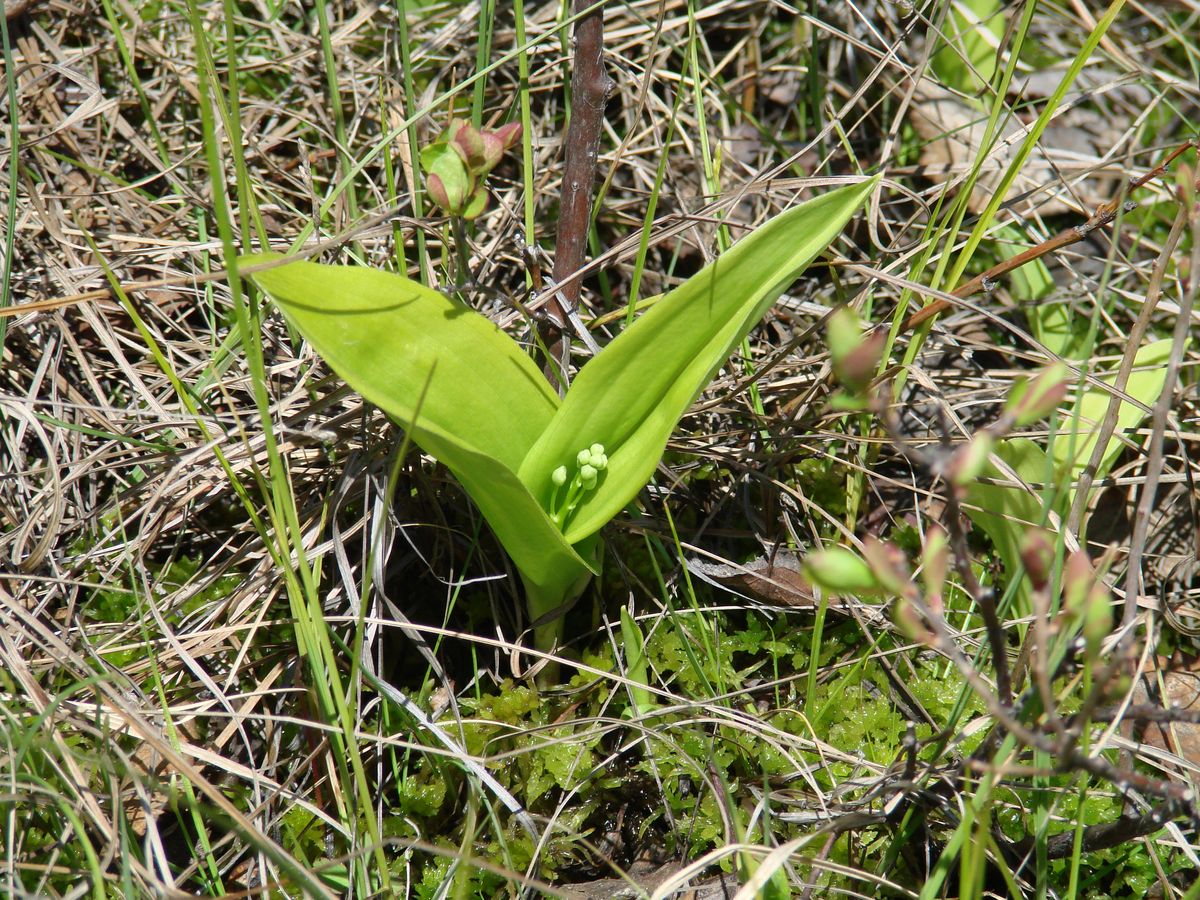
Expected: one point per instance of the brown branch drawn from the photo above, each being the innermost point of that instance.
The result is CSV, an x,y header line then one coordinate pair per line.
x,y
953,523
14,8
1107,834
590,87
1145,712
1104,215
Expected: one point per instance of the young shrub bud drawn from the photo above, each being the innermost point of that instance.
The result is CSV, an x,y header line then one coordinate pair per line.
x,y
584,457
837,570
1078,578
559,476
437,192
1186,184
1034,399
969,462
855,355
1037,554
493,150
935,562
508,135
447,180
468,143
1097,619
843,332
888,565
588,475
860,364
909,622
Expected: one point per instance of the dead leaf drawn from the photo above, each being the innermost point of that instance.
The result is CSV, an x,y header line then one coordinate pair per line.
x,y
1178,680
776,581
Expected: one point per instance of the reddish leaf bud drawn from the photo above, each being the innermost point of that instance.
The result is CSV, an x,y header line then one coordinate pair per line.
x,y
1035,399
1037,554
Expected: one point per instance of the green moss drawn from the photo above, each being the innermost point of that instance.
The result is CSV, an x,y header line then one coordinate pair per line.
x,y
422,793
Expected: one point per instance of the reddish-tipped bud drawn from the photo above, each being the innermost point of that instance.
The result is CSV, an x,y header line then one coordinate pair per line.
x,y
1087,601
493,149
508,134
1037,553
1077,581
888,565
908,620
1097,619
437,191
935,562
1036,398
968,462
469,144
855,355
861,364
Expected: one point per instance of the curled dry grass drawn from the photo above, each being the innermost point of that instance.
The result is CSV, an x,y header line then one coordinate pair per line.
x,y
150,679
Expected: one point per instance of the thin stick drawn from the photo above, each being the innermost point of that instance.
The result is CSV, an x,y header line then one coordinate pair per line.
x,y
1104,215
590,87
1162,408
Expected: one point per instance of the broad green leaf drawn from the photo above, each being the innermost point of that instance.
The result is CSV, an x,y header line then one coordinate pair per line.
x,y
631,395
1054,323
1058,325
1145,385
1028,283
403,346
536,546
478,400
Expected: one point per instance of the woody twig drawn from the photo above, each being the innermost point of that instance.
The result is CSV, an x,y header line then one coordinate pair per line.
x,y
590,87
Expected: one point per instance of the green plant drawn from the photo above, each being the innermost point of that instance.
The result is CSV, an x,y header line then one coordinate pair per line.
x,y
457,163
470,396
1005,513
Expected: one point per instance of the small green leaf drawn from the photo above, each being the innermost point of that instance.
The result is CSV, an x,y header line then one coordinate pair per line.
x,y
632,394
475,204
635,664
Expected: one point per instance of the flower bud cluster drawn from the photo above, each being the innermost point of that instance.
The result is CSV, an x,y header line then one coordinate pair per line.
x,y
457,163
589,463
